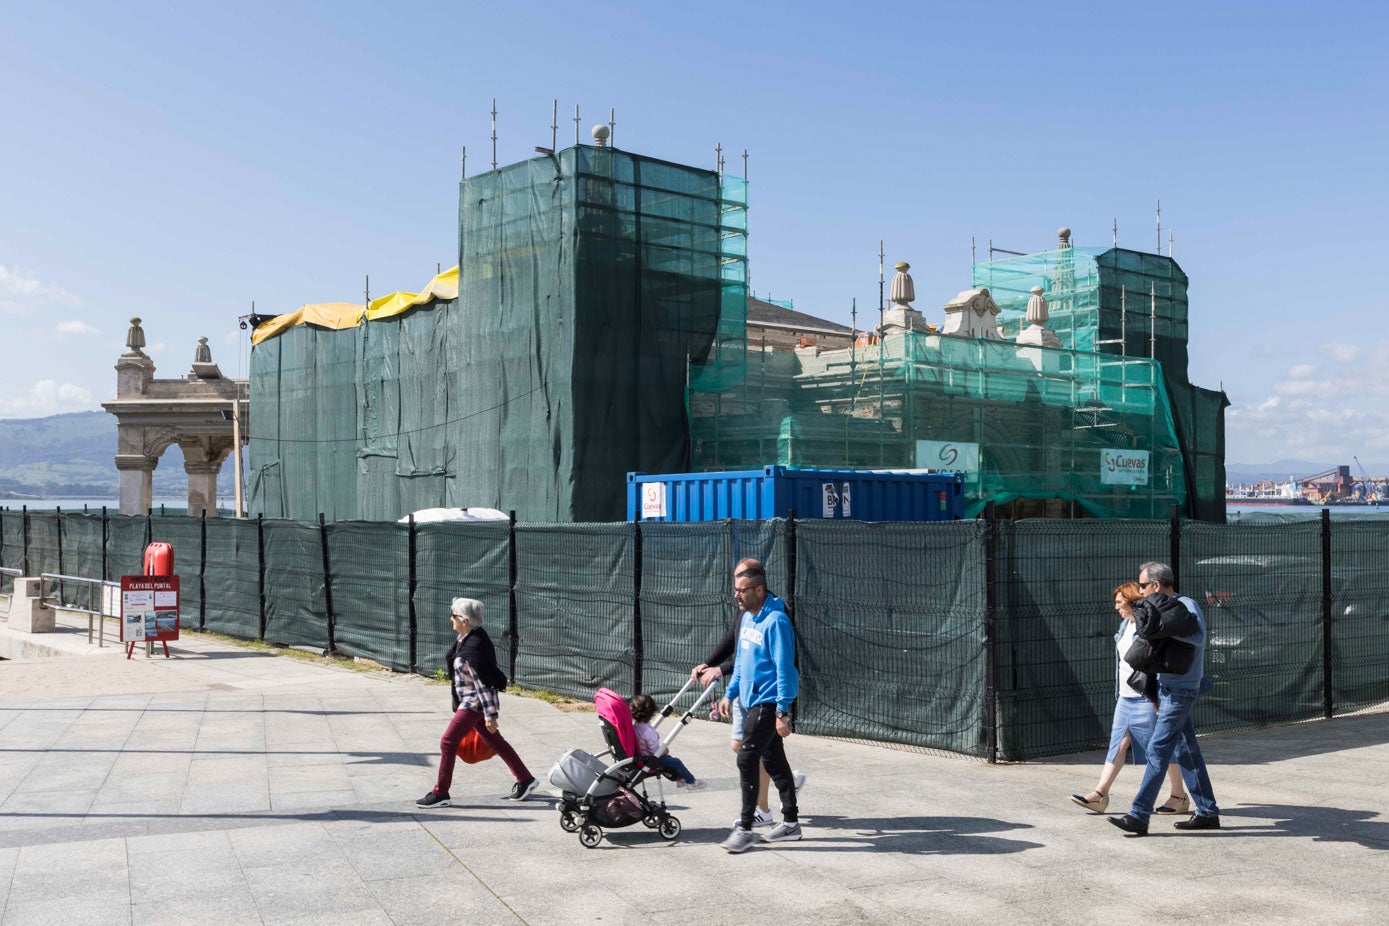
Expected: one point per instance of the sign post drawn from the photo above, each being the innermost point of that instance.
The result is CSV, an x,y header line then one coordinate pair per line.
x,y
149,611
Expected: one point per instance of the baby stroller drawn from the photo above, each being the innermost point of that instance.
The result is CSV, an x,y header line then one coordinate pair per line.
x,y
598,794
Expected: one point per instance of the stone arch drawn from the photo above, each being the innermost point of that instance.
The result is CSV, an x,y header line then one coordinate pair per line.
x,y
195,412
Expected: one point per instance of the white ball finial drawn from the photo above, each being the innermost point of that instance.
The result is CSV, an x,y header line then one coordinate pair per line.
x,y
600,136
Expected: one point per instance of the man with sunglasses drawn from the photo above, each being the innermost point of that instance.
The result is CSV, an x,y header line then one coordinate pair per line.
x,y
765,682
1174,734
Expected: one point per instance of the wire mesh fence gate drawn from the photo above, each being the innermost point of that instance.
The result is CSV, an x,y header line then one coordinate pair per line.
x,y
988,638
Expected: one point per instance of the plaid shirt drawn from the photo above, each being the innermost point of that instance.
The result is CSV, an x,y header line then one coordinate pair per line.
x,y
473,695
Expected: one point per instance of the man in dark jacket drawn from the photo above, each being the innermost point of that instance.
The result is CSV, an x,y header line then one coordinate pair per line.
x,y
1174,735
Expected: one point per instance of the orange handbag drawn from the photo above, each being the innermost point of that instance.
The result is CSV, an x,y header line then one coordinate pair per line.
x,y
474,748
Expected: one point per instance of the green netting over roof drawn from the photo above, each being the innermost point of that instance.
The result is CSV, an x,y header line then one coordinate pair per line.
x,y
1042,423
1133,304
593,289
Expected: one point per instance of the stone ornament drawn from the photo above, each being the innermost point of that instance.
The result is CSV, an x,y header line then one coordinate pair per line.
x,y
135,337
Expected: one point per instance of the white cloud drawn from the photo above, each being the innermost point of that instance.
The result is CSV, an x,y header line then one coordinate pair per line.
x,y
72,326
1302,371
1342,353
158,347
47,397
21,293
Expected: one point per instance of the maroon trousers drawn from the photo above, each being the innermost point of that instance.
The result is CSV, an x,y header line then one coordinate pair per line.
x,y
463,721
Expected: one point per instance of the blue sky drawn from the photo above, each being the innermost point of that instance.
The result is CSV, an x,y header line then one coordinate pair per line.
x,y
177,161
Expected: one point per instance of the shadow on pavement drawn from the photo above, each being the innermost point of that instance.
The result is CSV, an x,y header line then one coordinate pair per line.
x,y
902,835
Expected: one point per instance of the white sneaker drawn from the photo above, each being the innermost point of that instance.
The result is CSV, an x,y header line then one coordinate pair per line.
x,y
783,832
798,778
699,784
740,840
760,818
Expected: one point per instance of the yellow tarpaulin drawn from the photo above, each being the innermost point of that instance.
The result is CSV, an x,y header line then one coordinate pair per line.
x,y
339,315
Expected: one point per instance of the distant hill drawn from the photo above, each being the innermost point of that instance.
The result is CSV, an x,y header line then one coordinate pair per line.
x,y
73,456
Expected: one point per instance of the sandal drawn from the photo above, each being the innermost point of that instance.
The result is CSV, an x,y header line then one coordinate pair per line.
x,y
1182,805
1099,805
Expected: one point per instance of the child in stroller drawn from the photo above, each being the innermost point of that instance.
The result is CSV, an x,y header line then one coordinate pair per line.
x,y
649,743
598,794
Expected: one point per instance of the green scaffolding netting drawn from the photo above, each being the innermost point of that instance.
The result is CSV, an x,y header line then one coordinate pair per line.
x,y
594,287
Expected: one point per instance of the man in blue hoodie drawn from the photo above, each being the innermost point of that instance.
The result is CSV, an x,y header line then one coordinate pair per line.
x,y
1174,735
765,682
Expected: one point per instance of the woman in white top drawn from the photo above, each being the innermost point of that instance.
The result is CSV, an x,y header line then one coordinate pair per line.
x,y
1134,715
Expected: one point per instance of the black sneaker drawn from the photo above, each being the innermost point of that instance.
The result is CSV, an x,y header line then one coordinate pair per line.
x,y
521,790
1131,825
1198,822
433,799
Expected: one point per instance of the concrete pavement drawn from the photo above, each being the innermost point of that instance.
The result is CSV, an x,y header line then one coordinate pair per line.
x,y
229,786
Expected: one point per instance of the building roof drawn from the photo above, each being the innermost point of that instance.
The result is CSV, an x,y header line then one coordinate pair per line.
x,y
769,314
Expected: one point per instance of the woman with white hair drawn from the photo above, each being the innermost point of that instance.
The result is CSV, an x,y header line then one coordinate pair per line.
x,y
472,665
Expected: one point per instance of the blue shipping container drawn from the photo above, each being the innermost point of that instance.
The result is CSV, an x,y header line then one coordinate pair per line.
x,y
775,491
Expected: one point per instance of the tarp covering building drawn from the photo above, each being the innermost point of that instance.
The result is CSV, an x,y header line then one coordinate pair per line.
x,y
596,325
592,288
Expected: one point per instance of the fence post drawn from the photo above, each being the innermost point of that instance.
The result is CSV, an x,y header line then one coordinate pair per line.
x,y
991,631
260,571
327,586
791,568
1327,693
413,584
202,572
58,526
1175,553
105,539
636,603
26,539
513,624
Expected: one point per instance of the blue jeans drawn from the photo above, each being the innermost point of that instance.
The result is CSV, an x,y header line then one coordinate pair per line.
x,y
676,766
1174,737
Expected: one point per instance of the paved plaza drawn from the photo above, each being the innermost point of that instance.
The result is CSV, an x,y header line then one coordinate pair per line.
x,y
229,786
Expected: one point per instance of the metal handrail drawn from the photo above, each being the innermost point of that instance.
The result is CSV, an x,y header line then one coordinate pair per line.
x,y
95,610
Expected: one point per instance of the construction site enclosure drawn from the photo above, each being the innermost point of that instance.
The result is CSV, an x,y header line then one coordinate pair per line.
x,y
599,327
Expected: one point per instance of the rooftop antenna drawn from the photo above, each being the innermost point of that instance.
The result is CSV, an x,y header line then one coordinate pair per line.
x,y
554,124
494,133
366,291
718,157
881,318
853,350
463,163
576,124
1159,226
1152,321
612,127
1170,237
972,260
1116,231
745,163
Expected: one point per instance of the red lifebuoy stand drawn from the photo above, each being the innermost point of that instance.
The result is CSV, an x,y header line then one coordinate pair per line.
x,y
159,559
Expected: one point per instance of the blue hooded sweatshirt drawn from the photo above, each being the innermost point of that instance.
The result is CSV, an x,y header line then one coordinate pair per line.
x,y
764,663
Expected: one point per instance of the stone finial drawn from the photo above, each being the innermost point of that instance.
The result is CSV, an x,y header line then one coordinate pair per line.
x,y
1037,333
903,289
972,314
600,136
1037,308
203,354
1063,235
135,337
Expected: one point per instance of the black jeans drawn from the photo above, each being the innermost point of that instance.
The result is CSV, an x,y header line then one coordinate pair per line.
x,y
762,746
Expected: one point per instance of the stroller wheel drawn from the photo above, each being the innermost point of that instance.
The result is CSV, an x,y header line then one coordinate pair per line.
x,y
570,821
590,836
651,821
670,828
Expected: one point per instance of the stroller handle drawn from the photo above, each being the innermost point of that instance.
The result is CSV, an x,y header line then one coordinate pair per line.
x,y
685,717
